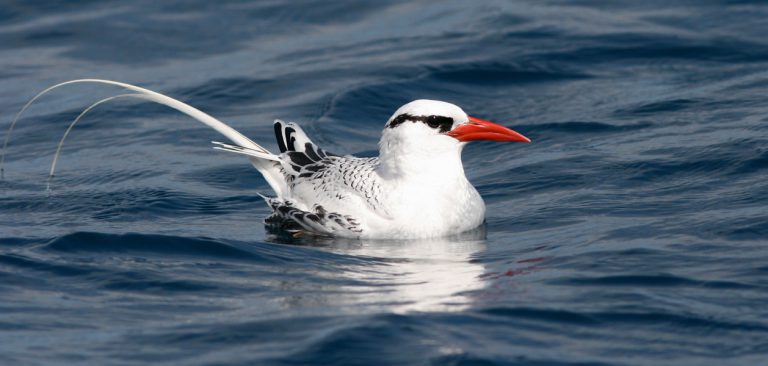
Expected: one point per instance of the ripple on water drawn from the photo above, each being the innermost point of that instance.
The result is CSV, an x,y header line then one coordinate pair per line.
x,y
630,232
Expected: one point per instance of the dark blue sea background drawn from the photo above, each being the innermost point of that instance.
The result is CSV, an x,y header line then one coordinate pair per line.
x,y
632,231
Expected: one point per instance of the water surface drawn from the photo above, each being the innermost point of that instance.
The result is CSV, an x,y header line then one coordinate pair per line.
x,y
633,231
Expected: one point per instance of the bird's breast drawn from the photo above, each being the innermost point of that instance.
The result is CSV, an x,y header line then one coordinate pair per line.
x,y
434,208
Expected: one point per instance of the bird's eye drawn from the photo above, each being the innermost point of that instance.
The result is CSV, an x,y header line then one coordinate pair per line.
x,y
442,123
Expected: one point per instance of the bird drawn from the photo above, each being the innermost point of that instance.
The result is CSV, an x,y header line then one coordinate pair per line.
x,y
415,188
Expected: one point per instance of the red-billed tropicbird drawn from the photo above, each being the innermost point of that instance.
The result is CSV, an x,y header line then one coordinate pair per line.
x,y
415,188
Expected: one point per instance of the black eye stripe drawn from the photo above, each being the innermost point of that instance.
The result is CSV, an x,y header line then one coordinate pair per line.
x,y
443,122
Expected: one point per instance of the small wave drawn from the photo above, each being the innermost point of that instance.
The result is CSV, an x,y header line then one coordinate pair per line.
x,y
136,204
659,107
155,285
645,172
16,242
229,176
227,95
634,46
203,248
109,176
548,315
496,73
370,339
23,262
736,158
232,334
755,228
586,127
680,321
90,242
556,174
613,318
751,165
663,280
473,358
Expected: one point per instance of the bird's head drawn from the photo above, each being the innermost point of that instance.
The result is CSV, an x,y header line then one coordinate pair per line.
x,y
433,129
432,121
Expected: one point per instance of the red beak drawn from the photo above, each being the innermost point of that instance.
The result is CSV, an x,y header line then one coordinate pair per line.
x,y
480,129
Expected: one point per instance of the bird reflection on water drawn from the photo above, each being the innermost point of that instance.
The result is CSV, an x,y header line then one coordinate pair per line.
x,y
435,274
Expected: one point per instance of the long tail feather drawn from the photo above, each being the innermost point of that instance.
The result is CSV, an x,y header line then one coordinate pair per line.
x,y
264,161
147,94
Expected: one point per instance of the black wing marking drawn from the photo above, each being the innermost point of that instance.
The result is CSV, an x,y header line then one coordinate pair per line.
x,y
286,216
301,151
280,138
329,175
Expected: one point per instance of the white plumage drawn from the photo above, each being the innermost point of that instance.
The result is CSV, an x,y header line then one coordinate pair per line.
x,y
415,188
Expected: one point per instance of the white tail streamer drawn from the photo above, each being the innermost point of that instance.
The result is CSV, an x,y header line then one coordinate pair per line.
x,y
149,95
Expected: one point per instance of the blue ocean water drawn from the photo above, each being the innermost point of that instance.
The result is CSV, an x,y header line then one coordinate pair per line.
x,y
633,231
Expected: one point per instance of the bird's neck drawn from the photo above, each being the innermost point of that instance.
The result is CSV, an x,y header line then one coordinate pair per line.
x,y
405,158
